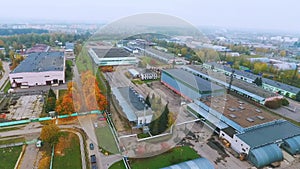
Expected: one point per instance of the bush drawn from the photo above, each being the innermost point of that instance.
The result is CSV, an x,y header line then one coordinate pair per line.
x,y
285,102
274,104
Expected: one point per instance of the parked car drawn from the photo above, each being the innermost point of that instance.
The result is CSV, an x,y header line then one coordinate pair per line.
x,y
94,166
91,146
93,158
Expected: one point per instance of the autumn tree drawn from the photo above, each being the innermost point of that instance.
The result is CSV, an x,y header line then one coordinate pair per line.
x,y
50,134
70,102
260,67
93,97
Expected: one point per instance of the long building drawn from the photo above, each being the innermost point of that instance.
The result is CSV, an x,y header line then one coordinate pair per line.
x,y
268,84
111,56
47,68
249,130
250,91
188,85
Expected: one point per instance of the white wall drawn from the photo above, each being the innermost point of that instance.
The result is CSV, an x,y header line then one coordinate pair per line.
x,y
225,136
37,78
238,145
148,119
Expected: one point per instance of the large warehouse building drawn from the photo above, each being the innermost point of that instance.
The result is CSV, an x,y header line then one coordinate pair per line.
x,y
188,85
267,84
250,131
112,56
47,68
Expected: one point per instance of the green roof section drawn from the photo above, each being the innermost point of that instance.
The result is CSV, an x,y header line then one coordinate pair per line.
x,y
199,163
265,155
268,133
292,145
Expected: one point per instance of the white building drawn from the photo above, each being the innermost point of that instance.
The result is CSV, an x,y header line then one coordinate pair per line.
x,y
46,68
148,74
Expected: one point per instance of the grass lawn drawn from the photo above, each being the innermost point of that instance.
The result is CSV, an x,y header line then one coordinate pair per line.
x,y
9,157
11,141
106,139
7,87
151,61
67,152
3,129
84,62
174,156
118,165
61,92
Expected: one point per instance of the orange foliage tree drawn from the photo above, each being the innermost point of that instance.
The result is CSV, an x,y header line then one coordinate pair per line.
x,y
70,102
93,98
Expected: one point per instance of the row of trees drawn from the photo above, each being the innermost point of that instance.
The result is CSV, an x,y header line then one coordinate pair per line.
x,y
88,98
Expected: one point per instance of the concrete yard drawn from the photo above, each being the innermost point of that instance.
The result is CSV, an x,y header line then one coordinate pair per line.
x,y
27,107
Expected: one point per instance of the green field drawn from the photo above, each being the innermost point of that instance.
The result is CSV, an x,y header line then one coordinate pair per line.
x,y
118,165
71,158
84,62
11,140
9,157
106,139
174,156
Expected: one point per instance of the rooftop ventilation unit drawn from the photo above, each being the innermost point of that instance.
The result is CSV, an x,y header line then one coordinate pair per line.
x,y
258,110
231,109
242,108
250,119
232,115
260,117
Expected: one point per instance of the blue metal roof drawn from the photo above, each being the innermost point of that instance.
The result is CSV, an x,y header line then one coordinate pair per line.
x,y
292,145
41,62
199,163
269,133
265,155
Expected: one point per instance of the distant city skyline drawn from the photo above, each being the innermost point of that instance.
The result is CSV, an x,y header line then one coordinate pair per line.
x,y
253,14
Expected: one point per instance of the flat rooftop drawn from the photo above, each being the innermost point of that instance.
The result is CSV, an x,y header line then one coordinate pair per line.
x,y
243,113
112,52
132,103
252,88
252,76
38,48
269,133
192,80
41,62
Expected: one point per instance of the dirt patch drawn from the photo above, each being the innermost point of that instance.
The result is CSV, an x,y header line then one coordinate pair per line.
x,y
63,143
212,143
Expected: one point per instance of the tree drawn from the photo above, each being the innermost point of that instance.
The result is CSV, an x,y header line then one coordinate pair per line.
x,y
50,134
164,120
258,81
147,101
298,96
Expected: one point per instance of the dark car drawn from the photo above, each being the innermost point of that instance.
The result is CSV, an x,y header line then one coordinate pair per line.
x,y
91,146
94,166
93,159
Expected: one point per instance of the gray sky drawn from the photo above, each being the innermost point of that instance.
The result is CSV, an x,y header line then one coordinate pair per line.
x,y
261,14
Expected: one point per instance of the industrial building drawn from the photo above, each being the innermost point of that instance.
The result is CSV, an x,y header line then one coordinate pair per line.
x,y
111,56
268,84
133,105
199,163
38,48
148,74
249,130
188,85
47,68
249,91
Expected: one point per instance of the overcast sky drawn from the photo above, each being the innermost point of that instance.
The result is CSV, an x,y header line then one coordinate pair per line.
x,y
261,14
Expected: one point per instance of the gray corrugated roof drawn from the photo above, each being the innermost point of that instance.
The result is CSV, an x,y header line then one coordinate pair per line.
x,y
41,62
267,134
111,52
194,81
252,76
130,102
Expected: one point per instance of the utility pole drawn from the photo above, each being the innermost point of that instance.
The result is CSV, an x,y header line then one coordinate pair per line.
x,y
231,79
